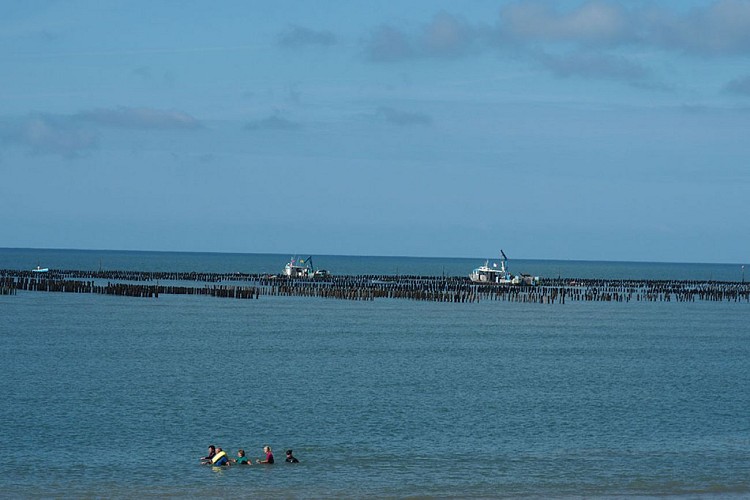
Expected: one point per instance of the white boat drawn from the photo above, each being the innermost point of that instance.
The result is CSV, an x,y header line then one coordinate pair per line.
x,y
492,274
303,268
500,275
40,269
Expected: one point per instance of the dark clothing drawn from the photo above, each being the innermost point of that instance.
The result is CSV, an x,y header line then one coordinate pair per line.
x,y
291,459
208,458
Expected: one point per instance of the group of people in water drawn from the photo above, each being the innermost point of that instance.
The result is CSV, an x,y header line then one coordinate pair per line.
x,y
218,457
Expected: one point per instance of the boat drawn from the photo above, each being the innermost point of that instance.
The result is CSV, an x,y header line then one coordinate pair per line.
x,y
493,273
500,275
303,268
40,269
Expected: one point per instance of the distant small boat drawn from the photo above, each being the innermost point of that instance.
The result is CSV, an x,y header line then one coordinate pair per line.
x,y
303,268
500,275
491,274
39,269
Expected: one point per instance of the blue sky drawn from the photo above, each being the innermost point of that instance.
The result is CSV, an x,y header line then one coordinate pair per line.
x,y
599,130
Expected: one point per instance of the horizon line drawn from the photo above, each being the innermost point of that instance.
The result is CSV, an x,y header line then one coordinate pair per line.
x,y
365,256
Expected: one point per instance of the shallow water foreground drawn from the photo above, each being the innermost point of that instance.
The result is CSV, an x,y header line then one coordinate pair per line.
x,y
116,396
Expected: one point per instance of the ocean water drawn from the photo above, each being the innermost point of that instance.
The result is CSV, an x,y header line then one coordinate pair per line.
x,y
118,397
23,258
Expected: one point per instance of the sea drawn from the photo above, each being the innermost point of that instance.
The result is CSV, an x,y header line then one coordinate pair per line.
x,y
119,397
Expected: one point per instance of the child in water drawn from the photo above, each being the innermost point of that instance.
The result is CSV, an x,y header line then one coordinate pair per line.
x,y
291,458
241,458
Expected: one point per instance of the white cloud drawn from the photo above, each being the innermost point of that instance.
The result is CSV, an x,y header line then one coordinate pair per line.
x,y
388,44
722,28
445,36
739,86
592,22
49,134
589,40
72,135
140,118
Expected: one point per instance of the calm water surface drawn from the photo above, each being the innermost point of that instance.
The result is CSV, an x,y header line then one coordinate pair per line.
x,y
115,396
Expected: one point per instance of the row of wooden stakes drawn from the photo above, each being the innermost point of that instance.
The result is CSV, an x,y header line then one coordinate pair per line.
x,y
434,289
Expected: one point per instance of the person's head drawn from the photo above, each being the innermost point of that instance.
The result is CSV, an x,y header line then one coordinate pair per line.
x,y
211,448
288,453
267,449
218,450
240,452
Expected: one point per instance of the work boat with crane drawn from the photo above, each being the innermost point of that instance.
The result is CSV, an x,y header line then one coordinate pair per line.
x,y
303,268
492,274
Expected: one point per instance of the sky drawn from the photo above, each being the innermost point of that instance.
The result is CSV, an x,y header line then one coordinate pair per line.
x,y
594,130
